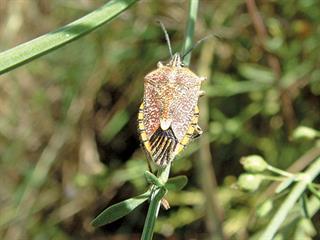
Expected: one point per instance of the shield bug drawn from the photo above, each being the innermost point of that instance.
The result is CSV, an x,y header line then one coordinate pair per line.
x,y
168,115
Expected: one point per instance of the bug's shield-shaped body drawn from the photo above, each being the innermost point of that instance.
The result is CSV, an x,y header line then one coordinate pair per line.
x,y
168,116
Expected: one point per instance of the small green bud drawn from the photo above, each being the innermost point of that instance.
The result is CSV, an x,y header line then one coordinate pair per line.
x,y
249,182
254,163
303,132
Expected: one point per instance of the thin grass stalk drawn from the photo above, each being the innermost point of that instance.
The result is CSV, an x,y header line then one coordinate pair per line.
x,y
206,174
163,174
192,18
154,207
37,47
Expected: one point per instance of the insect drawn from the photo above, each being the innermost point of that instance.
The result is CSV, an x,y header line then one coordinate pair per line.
x,y
168,115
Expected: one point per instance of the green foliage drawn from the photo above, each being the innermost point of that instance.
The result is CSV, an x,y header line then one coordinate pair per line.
x,y
53,40
152,179
157,192
68,141
119,210
176,183
251,182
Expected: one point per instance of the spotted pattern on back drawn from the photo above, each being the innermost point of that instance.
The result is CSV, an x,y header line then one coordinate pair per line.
x,y
171,94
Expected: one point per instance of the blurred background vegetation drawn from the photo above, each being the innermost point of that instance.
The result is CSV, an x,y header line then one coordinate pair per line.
x,y
68,140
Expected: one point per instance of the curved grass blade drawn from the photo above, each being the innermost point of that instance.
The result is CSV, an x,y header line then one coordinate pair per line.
x,y
28,51
119,210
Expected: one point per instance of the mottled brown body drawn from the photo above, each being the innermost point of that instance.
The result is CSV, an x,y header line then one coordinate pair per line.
x,y
168,116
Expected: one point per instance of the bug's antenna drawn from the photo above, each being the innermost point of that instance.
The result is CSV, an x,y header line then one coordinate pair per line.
x,y
167,37
195,45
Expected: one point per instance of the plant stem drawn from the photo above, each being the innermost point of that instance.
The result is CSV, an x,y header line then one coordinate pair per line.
x,y
273,178
290,201
154,207
279,171
193,10
205,169
28,51
163,174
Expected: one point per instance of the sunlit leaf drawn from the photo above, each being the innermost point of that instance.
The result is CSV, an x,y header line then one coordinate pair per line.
x,y
176,183
25,52
119,210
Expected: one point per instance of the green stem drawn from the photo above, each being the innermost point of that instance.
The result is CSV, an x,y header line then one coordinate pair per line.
x,y
290,201
272,178
279,171
193,10
155,202
28,51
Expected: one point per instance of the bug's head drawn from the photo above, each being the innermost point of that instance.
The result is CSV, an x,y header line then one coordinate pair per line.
x,y
175,61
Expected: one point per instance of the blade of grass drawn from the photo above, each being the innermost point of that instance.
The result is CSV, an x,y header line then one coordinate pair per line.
x,y
119,210
193,10
28,51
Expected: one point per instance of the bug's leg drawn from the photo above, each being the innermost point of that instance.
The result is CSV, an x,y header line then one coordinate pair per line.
x,y
149,165
197,132
202,78
165,204
201,93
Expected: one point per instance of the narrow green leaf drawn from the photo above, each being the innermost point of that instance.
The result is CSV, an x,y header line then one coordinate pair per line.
x,y
25,52
176,183
303,203
226,85
256,73
114,126
314,191
119,210
151,178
